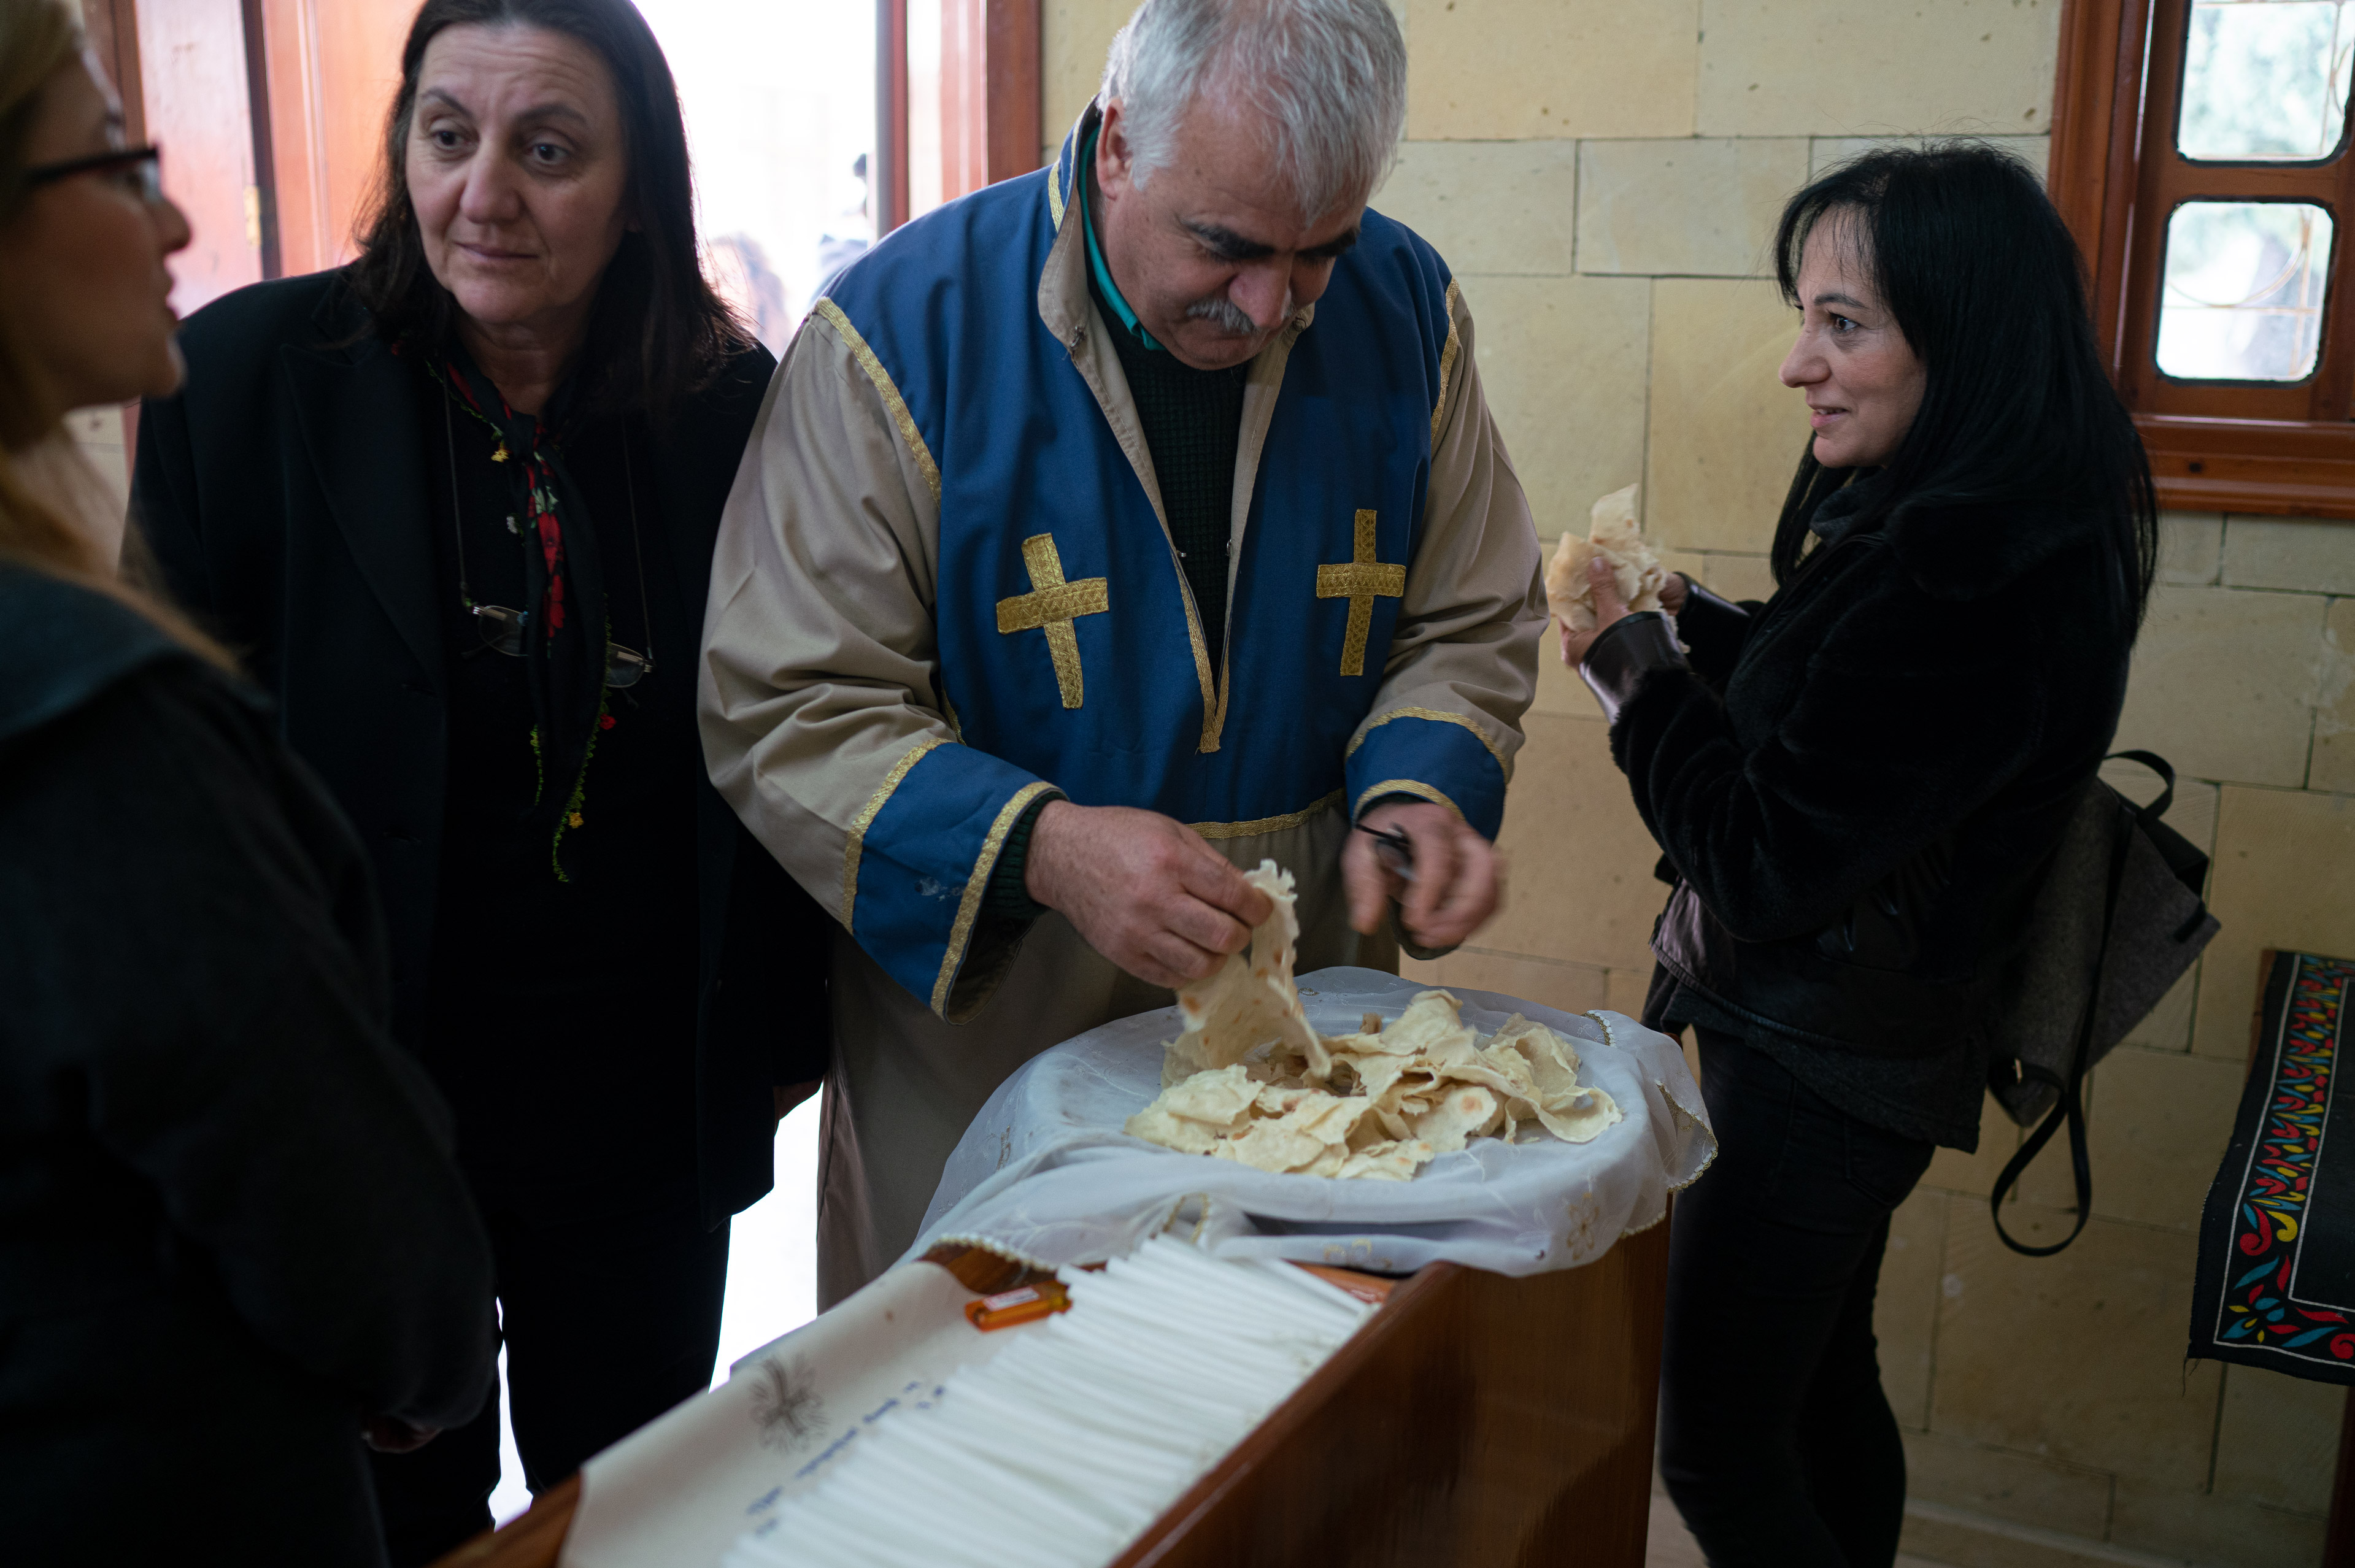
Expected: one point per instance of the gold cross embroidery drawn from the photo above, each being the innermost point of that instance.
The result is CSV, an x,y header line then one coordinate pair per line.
x,y
1051,605
1361,580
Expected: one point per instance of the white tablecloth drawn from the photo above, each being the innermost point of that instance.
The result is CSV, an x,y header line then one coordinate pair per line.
x,y
1045,1173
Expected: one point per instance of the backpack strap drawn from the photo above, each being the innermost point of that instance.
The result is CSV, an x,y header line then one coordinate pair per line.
x,y
2151,813
2070,1108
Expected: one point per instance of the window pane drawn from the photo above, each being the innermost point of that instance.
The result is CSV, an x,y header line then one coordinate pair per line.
x,y
2266,79
2242,299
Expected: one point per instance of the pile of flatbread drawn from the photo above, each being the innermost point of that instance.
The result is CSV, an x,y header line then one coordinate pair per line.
x,y
1249,1080
1612,535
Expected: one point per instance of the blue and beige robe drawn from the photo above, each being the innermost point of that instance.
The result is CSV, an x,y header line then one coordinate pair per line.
x,y
944,586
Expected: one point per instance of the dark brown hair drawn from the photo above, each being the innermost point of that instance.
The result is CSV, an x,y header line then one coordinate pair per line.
x,y
658,332
1989,290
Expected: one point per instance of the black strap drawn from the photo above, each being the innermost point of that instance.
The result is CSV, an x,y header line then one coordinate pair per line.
x,y
2070,1107
2158,765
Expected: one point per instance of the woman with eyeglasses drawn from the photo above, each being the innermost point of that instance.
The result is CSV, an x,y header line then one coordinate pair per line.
x,y
456,502
233,1242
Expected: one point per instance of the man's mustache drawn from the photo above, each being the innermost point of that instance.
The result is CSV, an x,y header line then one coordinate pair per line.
x,y
1224,315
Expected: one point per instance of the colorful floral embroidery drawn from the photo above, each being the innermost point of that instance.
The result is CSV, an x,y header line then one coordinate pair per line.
x,y
538,484
2258,1310
538,470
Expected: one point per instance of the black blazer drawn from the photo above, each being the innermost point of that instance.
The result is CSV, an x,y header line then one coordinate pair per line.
x,y
283,492
229,1223
1858,782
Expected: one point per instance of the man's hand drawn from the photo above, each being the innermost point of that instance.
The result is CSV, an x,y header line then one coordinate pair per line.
x,y
1145,891
1456,882
391,1435
1609,606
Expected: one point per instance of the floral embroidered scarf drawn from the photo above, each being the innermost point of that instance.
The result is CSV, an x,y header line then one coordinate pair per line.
x,y
564,628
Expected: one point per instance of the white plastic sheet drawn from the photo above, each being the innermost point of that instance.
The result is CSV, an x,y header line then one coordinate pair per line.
x,y
1045,1173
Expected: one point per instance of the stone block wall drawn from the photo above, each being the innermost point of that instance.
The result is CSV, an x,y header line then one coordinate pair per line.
x,y
1604,178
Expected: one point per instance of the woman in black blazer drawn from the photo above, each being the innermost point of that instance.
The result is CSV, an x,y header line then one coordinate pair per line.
x,y
1857,784
456,503
232,1239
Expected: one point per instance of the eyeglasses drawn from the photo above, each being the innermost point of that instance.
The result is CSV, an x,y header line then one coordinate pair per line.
x,y
502,632
138,170
502,629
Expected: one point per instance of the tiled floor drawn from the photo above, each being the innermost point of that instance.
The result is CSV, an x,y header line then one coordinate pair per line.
x,y
1671,1545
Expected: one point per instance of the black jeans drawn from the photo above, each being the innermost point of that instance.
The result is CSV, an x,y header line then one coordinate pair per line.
x,y
609,1322
1775,1440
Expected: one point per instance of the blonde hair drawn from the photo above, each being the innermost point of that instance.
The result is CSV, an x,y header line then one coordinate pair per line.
x,y
55,509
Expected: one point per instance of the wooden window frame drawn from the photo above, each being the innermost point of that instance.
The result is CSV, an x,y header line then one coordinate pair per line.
x,y
2285,450
989,98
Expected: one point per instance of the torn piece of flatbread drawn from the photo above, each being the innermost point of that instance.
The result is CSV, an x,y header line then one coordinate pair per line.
x,y
1386,1161
1375,1105
1572,1112
1431,1028
1611,534
1194,1114
1464,1113
1250,1000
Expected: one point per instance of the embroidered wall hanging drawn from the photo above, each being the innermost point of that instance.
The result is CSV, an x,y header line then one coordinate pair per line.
x,y
2276,1287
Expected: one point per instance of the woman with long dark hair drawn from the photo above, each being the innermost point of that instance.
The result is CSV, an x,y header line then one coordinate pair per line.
x,y
1857,784
457,500
232,1240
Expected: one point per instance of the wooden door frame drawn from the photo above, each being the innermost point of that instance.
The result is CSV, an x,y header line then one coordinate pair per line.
x,y
887,171
113,28
989,98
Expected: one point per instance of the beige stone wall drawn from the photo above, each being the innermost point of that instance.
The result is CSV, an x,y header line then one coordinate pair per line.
x,y
1604,177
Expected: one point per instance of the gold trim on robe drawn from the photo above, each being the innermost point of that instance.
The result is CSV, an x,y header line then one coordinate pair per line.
x,y
866,819
1447,356
1268,824
976,885
1214,692
1414,787
889,391
1260,391
1437,716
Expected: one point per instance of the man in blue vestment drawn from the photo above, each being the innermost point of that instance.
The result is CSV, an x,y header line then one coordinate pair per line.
x,y
1105,531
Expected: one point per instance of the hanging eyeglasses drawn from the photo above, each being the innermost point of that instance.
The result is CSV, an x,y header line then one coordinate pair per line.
x,y
501,629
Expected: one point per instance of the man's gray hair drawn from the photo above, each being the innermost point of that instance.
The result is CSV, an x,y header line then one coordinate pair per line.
x,y
1329,77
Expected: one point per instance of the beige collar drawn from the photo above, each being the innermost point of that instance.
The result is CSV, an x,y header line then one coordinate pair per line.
x,y
1065,305
1069,312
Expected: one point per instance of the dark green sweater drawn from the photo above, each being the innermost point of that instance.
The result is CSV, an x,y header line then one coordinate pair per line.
x,y
1193,425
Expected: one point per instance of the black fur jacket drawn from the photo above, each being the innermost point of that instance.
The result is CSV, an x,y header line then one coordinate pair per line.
x,y
1857,783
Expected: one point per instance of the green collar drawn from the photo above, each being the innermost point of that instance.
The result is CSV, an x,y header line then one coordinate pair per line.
x,y
1111,291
